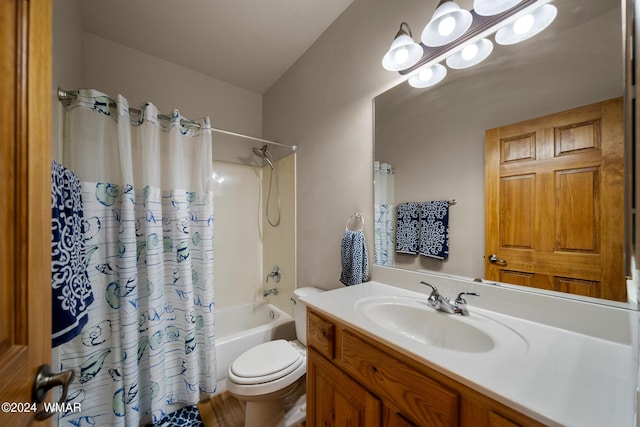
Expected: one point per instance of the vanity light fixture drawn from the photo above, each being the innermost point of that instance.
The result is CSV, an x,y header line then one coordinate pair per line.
x,y
404,52
460,37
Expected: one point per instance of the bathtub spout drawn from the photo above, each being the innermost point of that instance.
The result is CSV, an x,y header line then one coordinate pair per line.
x,y
268,292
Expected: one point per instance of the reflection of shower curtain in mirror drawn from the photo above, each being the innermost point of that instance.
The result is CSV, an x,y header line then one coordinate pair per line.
x,y
148,223
384,246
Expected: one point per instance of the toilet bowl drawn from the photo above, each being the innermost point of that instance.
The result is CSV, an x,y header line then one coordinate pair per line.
x,y
270,377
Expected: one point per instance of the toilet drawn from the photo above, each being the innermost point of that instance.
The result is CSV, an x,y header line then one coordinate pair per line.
x,y
270,377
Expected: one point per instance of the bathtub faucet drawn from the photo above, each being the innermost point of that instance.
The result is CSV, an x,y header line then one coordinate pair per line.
x,y
268,292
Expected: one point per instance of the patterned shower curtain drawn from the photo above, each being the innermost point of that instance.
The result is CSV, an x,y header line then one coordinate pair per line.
x,y
148,224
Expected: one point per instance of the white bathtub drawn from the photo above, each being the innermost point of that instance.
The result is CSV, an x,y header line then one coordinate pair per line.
x,y
242,327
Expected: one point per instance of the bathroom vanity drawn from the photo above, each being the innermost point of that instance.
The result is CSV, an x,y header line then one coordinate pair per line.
x,y
379,356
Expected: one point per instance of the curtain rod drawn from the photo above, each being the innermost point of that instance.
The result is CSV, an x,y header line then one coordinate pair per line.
x,y
64,95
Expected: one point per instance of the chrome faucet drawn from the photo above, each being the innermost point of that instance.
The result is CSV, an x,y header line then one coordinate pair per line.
x,y
275,274
440,303
268,292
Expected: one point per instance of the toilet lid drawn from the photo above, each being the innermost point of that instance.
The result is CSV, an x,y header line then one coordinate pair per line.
x,y
266,362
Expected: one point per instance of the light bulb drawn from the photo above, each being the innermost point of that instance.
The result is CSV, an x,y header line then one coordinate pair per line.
x,y
401,55
446,26
469,52
527,26
426,75
524,24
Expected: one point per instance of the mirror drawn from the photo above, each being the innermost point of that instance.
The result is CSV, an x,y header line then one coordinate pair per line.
x,y
434,139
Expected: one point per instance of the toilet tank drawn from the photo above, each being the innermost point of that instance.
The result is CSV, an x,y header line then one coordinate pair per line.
x,y
300,311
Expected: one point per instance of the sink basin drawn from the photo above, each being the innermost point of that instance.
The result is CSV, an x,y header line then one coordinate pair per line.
x,y
416,320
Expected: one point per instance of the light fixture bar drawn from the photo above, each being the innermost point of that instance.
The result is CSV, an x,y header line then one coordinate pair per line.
x,y
482,26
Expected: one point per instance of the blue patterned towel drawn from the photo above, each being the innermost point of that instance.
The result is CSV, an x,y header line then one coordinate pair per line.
x,y
434,229
355,259
71,291
408,226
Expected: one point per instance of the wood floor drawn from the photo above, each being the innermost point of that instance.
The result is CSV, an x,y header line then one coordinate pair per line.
x,y
223,410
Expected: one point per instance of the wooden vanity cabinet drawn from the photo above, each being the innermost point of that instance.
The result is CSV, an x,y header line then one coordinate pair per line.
x,y
356,381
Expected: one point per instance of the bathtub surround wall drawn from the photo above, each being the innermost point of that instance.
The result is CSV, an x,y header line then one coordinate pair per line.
x,y
246,246
238,241
279,243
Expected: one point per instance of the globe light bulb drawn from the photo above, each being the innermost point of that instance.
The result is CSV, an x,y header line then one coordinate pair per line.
x,y
401,55
446,26
524,24
469,52
426,75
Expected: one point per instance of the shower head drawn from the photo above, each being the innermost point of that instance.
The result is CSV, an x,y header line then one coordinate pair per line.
x,y
263,153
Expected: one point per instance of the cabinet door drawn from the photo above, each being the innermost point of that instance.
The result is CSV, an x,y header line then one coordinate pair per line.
x,y
393,419
496,420
335,400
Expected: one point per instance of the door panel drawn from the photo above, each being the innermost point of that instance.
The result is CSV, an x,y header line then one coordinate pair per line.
x,y
335,400
25,217
577,213
554,202
517,211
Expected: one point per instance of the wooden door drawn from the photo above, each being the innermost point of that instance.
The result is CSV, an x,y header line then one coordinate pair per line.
x,y
554,194
25,214
335,400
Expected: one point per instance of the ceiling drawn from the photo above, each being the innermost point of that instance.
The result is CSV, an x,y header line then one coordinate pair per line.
x,y
248,43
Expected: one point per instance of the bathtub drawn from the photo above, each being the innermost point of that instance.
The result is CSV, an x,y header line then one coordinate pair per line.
x,y
241,327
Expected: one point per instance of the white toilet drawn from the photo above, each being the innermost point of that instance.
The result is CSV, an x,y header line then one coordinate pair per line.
x,y
270,377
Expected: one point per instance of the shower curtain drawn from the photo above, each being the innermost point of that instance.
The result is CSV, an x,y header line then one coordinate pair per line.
x,y
148,224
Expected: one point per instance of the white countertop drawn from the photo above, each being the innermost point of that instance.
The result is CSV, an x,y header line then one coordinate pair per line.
x,y
562,378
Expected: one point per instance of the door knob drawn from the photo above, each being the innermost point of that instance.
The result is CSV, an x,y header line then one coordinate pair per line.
x,y
493,259
46,380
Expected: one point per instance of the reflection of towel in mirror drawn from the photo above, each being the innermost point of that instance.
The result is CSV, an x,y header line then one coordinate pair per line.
x,y
355,259
383,245
408,226
434,229
71,291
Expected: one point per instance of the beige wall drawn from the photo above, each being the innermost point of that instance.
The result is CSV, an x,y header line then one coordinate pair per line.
x,y
67,51
324,105
115,69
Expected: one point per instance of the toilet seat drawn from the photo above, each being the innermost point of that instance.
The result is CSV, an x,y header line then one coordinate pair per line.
x,y
266,362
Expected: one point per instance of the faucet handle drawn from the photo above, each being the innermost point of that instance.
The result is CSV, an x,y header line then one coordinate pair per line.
x,y
460,300
434,296
434,291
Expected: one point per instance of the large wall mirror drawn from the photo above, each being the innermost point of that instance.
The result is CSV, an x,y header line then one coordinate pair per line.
x,y
430,146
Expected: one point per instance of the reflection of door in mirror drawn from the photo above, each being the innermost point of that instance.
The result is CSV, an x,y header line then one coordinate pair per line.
x,y
553,192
